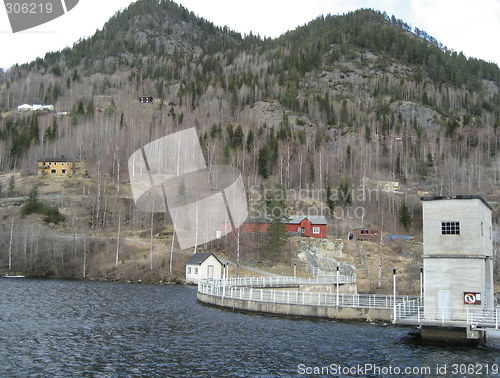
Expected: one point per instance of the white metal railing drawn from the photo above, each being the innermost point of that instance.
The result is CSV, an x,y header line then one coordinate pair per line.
x,y
409,308
220,289
285,281
414,312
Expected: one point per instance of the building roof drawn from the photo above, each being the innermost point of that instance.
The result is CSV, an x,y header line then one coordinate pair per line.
x,y
199,258
257,219
62,159
292,219
314,219
460,197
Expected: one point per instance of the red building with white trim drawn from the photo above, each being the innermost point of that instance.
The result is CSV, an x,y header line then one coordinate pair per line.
x,y
308,226
302,225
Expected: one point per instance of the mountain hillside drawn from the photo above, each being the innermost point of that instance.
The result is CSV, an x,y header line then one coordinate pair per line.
x,y
349,104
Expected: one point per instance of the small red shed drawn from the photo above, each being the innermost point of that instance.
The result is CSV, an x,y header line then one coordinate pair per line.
x,y
366,234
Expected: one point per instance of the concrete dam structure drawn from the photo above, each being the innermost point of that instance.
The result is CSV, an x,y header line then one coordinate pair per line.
x,y
329,297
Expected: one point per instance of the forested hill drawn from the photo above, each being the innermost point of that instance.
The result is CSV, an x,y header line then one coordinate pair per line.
x,y
367,30
341,102
149,29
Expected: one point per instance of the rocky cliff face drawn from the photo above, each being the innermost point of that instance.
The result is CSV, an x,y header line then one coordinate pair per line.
x,y
323,256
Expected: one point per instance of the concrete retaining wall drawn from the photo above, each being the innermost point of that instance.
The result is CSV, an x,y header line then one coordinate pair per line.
x,y
329,312
452,335
493,334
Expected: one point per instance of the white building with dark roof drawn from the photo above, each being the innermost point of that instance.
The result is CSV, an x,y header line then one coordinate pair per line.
x,y
202,266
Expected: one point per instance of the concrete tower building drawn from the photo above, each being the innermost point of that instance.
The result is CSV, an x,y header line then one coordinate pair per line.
x,y
458,256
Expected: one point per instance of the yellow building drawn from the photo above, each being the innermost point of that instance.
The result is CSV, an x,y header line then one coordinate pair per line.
x,y
60,166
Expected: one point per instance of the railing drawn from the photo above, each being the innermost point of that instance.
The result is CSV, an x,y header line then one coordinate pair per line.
x,y
217,288
409,309
484,319
477,318
284,281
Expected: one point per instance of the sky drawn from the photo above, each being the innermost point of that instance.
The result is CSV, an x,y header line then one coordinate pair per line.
x,y
460,25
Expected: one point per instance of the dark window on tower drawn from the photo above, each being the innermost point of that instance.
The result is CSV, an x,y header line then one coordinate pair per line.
x,y
450,228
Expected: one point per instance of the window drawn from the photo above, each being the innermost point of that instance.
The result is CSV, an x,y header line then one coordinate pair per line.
x,y
53,171
450,228
315,230
482,232
195,270
189,270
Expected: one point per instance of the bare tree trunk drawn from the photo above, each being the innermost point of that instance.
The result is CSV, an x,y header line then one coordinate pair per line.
x,y
105,208
98,202
84,258
196,228
117,177
300,171
321,173
151,244
172,246
36,248
118,239
238,253
10,243
281,170
288,158
74,243
25,247
380,254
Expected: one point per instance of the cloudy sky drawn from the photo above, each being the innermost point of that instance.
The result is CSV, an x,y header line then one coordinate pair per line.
x,y
461,25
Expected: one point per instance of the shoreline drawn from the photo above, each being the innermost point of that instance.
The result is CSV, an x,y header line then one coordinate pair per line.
x,y
175,281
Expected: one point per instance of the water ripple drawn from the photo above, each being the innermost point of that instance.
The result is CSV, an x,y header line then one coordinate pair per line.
x,y
61,328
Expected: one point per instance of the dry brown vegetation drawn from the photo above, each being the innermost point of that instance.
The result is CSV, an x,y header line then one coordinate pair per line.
x,y
319,106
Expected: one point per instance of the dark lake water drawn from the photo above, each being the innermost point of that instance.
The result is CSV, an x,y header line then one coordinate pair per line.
x,y
59,328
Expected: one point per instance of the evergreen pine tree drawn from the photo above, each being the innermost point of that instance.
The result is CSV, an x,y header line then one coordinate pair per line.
x,y
80,109
263,161
250,139
122,121
405,216
32,205
277,212
90,108
182,194
34,130
330,201
345,195
11,187
238,137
